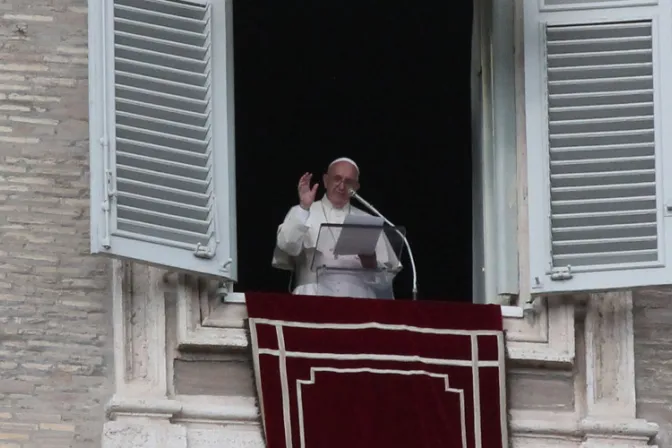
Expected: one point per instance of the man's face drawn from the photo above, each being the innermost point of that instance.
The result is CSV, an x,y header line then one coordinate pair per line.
x,y
339,179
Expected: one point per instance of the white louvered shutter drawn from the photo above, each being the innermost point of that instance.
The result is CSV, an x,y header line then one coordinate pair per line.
x,y
594,133
161,161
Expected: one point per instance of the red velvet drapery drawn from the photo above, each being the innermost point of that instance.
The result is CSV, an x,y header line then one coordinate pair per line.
x,y
339,372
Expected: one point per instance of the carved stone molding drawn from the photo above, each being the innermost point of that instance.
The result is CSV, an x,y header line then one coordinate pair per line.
x,y
143,435
149,434
215,410
544,336
609,403
535,428
203,321
604,376
596,342
139,330
141,413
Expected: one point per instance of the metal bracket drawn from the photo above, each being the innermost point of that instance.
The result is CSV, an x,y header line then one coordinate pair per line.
x,y
204,252
225,287
225,266
226,294
110,191
561,273
530,307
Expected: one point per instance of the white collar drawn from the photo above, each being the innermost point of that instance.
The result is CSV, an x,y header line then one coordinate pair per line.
x,y
326,203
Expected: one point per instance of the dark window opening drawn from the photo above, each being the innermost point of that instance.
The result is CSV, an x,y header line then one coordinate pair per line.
x,y
384,82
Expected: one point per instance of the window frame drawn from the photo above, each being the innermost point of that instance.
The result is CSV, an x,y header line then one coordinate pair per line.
x,y
496,199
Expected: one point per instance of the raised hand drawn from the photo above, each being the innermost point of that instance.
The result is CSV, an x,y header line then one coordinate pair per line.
x,y
306,192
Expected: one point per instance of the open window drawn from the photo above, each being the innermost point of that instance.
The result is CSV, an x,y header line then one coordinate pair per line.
x,y
384,83
163,171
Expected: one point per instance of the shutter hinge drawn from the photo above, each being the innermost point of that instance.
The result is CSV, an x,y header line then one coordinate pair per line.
x,y
204,252
108,194
110,191
561,273
225,266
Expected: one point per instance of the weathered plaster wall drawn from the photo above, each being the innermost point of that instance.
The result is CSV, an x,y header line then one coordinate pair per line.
x,y
55,328
653,359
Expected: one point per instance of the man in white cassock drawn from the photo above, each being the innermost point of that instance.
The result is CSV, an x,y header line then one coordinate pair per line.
x,y
364,275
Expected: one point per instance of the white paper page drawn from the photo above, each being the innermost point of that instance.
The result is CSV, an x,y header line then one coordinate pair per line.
x,y
359,240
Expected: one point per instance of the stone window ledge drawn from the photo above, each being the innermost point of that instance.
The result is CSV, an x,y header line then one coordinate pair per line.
x,y
543,336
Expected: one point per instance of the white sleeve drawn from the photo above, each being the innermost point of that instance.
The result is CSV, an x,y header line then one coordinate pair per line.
x,y
386,255
293,231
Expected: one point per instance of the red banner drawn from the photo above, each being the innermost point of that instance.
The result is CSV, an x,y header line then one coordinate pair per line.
x,y
349,373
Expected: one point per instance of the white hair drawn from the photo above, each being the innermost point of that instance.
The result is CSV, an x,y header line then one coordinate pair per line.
x,y
344,159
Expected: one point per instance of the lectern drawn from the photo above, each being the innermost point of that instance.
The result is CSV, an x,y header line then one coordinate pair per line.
x,y
341,255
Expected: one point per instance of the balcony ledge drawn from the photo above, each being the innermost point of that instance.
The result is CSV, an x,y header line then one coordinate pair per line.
x,y
543,336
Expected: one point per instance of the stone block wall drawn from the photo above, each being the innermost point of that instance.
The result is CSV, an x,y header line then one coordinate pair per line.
x,y
55,324
653,359
56,363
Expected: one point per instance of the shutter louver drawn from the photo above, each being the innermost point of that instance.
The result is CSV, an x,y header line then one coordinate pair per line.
x,y
602,145
595,102
163,142
569,3
162,187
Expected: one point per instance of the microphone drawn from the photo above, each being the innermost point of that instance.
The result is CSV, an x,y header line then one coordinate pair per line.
x,y
354,194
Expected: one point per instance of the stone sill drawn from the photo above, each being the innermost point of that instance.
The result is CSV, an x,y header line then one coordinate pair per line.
x,y
507,311
544,335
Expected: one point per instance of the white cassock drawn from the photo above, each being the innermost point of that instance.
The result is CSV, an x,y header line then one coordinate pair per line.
x,y
296,246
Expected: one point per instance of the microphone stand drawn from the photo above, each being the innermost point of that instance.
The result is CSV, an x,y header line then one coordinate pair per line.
x,y
414,292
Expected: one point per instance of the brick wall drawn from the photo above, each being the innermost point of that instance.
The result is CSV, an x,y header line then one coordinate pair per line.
x,y
55,326
653,359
